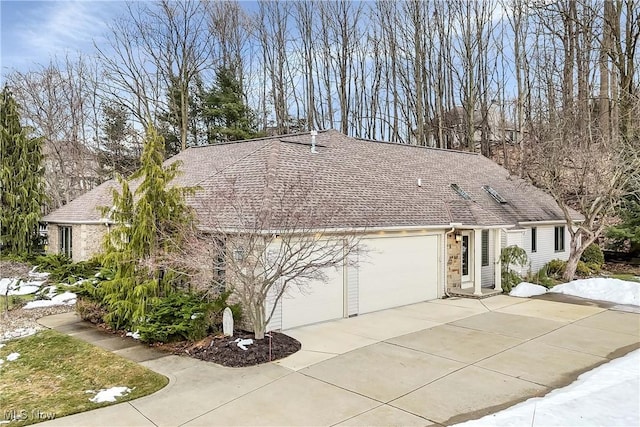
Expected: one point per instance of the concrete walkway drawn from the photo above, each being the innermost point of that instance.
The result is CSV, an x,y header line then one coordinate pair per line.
x,y
433,363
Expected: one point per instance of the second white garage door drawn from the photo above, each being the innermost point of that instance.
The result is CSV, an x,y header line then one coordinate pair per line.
x,y
397,271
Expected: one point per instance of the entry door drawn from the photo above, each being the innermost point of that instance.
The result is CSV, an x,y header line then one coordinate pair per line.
x,y
466,257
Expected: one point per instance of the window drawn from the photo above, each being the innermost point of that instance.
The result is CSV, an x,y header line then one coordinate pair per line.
x,y
66,241
493,193
461,192
534,239
559,239
465,256
485,248
219,264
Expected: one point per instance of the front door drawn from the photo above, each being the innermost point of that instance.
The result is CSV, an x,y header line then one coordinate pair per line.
x,y
466,257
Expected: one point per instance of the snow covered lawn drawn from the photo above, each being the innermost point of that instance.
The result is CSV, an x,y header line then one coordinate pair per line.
x,y
597,288
606,396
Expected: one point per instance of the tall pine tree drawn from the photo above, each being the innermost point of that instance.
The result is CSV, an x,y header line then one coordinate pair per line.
x,y
148,225
21,179
225,112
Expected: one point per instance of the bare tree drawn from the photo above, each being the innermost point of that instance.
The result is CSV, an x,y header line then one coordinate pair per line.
x,y
158,49
261,247
593,179
59,102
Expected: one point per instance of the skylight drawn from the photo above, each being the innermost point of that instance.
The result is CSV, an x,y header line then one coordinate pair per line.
x,y
461,192
493,193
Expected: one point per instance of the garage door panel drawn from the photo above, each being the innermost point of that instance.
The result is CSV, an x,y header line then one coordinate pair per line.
x,y
398,271
315,302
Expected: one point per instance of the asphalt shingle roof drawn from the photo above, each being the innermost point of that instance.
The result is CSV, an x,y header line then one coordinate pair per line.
x,y
349,183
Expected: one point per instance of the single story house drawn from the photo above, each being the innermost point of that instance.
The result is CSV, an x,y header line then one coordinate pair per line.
x,y
433,221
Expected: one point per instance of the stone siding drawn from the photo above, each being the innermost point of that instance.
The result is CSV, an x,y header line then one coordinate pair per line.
x,y
86,240
91,239
53,239
454,276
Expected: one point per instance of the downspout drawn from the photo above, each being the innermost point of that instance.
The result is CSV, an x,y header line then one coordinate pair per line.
x,y
446,234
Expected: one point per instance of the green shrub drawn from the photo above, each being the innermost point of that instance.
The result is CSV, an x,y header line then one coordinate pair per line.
x,y
555,268
582,269
62,269
593,255
90,310
5,255
183,315
541,278
516,256
595,268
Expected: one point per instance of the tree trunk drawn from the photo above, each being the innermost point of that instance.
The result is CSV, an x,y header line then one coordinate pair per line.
x,y
576,252
572,265
259,323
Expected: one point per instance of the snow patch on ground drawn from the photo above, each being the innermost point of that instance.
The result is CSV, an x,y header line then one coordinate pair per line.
x,y
135,335
34,274
48,292
603,289
526,289
608,395
13,357
17,333
67,298
14,286
109,394
6,283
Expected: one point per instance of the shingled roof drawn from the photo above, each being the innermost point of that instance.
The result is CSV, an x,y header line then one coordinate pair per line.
x,y
348,183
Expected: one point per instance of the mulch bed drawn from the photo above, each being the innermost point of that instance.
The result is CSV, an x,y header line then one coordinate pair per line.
x,y
224,351
621,268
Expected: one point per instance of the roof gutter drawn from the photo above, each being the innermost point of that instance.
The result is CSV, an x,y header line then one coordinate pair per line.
x,y
548,222
87,222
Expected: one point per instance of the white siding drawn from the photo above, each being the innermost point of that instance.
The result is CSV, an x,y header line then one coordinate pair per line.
x,y
353,281
545,246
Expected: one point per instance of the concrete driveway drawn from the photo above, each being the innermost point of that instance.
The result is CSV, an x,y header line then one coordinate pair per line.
x,y
437,362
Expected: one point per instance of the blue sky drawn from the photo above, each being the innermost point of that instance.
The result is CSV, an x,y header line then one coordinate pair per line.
x,y
33,32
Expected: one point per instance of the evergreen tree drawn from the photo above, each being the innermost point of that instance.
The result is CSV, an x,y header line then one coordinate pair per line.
x,y
226,114
117,154
626,234
148,225
170,121
22,185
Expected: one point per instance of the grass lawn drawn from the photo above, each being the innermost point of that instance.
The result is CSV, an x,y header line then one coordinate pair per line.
x,y
14,301
627,277
53,373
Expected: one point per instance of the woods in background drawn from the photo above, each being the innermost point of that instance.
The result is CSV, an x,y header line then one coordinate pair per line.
x,y
528,83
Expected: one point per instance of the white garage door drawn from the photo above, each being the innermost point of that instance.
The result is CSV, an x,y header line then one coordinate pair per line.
x,y
315,302
397,271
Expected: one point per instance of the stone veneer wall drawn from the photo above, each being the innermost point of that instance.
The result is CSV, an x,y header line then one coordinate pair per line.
x,y
454,277
53,239
86,239
91,238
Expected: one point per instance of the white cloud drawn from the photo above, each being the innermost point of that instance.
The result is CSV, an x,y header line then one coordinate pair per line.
x,y
43,30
